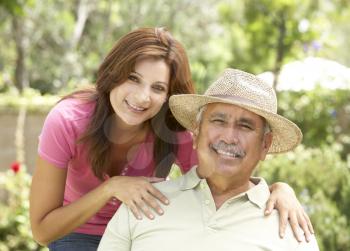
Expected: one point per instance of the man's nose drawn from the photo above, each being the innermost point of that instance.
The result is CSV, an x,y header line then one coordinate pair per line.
x,y
231,135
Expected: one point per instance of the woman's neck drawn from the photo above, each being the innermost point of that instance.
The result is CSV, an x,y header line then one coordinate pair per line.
x,y
124,134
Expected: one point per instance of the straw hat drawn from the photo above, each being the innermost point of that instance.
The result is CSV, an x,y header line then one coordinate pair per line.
x,y
244,90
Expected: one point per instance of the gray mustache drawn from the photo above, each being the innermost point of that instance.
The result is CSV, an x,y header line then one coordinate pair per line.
x,y
233,149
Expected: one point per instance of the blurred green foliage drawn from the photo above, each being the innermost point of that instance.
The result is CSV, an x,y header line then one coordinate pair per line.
x,y
270,32
322,114
11,101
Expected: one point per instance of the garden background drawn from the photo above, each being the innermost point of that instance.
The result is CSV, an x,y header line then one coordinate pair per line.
x,y
50,47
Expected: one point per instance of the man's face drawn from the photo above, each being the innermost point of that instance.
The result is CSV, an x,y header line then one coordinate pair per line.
x,y
230,141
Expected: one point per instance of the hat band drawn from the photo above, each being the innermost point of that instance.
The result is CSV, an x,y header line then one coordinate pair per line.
x,y
236,99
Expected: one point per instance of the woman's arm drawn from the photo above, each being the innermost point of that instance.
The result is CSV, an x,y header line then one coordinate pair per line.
x,y
284,200
51,220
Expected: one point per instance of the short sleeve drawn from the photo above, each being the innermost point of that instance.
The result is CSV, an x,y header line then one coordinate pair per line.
x,y
117,235
57,139
186,155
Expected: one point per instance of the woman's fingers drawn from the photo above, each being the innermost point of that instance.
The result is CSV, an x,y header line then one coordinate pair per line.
x,y
147,203
134,210
270,206
152,202
283,222
157,194
142,205
308,222
304,226
293,220
299,222
139,194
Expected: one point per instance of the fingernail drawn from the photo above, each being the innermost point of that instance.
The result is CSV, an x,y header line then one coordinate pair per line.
x,y
160,211
281,235
300,238
167,201
151,216
139,217
267,211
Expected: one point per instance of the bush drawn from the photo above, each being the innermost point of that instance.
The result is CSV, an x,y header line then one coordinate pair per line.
x,y
15,233
31,99
322,114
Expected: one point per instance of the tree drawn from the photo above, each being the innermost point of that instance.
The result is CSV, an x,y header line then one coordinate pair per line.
x,y
13,7
15,11
270,32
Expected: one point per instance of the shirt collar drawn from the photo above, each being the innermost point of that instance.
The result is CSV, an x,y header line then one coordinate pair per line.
x,y
260,193
190,179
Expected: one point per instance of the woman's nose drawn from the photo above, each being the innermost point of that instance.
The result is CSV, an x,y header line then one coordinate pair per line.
x,y
144,96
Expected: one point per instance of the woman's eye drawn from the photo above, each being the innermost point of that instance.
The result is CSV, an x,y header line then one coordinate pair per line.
x,y
133,78
159,88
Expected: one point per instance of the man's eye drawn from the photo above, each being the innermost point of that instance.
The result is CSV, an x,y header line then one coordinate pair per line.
x,y
133,78
246,126
218,121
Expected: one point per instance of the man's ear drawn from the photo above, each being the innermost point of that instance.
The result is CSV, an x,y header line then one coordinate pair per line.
x,y
267,141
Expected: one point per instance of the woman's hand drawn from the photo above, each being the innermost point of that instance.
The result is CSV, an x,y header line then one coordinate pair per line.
x,y
284,200
138,194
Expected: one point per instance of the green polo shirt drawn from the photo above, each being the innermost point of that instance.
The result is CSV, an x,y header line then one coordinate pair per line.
x,y
192,223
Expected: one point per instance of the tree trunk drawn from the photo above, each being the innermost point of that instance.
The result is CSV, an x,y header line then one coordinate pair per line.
x,y
83,10
20,78
19,136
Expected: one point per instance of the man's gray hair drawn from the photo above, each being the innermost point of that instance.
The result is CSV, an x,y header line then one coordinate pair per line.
x,y
199,118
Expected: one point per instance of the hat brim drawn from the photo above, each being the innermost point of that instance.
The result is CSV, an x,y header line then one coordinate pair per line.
x,y
286,134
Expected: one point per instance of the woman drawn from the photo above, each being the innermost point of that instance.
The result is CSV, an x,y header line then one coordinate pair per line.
x,y
103,146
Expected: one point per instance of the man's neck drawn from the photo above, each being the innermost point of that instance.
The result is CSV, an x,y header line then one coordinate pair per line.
x,y
223,190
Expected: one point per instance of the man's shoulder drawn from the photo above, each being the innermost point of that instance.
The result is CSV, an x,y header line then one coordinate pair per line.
x,y
294,245
289,242
183,183
171,185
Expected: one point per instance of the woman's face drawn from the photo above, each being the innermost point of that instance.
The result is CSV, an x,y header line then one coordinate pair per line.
x,y
142,95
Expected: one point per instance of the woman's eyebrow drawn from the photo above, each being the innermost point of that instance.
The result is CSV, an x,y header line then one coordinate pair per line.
x,y
158,82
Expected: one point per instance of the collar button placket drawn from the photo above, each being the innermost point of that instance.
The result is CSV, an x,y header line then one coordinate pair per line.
x,y
207,206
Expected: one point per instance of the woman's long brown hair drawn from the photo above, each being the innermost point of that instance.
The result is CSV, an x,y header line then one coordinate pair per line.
x,y
114,70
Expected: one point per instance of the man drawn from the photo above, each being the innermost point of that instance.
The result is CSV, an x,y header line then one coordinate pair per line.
x,y
218,205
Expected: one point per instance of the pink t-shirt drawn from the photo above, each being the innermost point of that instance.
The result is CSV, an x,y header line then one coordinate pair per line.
x,y
57,144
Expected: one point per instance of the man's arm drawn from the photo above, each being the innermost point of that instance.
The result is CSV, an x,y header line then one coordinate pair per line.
x,y
117,235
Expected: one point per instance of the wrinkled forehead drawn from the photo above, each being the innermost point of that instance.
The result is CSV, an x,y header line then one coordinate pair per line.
x,y
231,111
